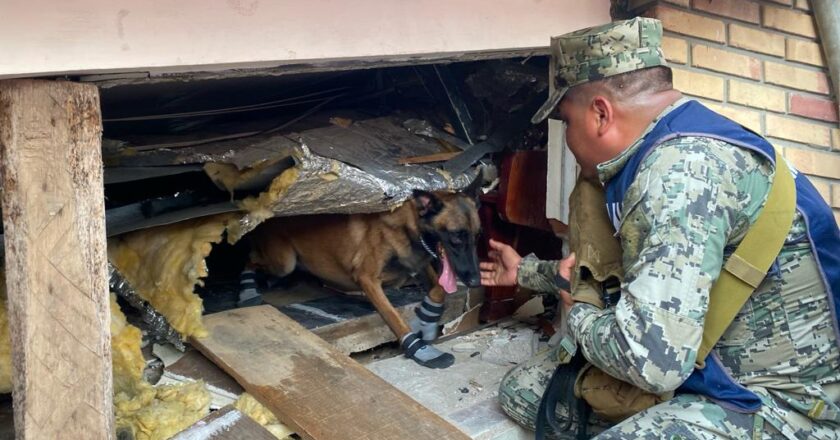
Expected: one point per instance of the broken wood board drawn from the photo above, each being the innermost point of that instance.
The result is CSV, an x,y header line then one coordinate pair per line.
x,y
311,386
227,423
429,158
363,333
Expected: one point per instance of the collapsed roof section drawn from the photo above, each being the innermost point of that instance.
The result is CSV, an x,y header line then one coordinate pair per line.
x,y
345,167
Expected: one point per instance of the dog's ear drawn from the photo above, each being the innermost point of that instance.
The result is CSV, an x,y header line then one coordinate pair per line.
x,y
427,203
474,188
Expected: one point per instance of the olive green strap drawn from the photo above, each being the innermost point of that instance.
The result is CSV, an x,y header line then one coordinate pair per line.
x,y
746,268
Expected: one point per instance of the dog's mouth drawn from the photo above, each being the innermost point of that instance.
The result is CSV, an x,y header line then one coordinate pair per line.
x,y
447,275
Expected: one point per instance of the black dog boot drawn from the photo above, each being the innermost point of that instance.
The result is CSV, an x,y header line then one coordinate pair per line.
x,y
424,354
425,321
249,294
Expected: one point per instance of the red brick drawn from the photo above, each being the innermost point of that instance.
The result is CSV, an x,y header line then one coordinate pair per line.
x,y
805,52
796,78
682,22
698,84
676,50
812,107
803,4
835,199
756,40
726,62
788,20
813,162
743,10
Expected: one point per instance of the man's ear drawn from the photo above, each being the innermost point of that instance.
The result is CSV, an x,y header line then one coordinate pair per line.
x,y
428,205
604,112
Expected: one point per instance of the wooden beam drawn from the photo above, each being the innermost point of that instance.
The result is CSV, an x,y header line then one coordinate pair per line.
x,y
56,275
311,387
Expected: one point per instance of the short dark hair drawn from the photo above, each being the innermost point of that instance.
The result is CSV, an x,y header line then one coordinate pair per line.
x,y
627,85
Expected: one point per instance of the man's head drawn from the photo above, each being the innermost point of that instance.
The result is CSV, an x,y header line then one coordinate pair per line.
x,y
608,82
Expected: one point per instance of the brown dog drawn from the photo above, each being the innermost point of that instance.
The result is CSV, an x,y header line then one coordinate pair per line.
x,y
372,251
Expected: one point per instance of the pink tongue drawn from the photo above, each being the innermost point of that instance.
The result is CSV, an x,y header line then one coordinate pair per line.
x,y
447,277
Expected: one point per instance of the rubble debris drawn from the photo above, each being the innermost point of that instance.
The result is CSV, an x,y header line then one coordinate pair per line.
x,y
511,347
464,347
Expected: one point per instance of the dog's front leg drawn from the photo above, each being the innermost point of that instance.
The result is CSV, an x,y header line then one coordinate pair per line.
x,y
428,313
413,346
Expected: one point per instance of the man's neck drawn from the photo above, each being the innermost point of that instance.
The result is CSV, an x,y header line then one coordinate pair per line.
x,y
644,114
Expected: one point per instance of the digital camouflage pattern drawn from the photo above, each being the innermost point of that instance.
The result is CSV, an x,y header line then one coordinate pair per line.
x,y
688,208
600,52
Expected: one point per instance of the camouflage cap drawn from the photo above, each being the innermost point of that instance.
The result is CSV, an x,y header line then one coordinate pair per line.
x,y
600,52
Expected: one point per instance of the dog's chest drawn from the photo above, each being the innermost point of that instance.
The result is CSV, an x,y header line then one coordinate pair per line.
x,y
412,262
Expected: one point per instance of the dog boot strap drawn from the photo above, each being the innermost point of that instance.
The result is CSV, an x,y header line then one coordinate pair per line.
x,y
427,315
425,354
248,293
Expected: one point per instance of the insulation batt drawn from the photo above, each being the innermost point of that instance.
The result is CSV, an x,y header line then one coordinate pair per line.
x,y
164,264
254,409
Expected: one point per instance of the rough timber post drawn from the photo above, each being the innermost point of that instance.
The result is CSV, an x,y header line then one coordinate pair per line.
x,y
56,276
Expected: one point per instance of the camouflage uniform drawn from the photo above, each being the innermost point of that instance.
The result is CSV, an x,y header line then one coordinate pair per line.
x,y
691,203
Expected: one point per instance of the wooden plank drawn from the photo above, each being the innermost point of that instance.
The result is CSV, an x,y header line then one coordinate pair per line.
x,y
309,385
227,423
54,221
362,333
429,158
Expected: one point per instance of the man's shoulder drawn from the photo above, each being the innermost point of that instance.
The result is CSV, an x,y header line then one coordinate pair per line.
x,y
699,154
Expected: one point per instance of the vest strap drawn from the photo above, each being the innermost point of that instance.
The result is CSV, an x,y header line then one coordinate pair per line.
x,y
748,265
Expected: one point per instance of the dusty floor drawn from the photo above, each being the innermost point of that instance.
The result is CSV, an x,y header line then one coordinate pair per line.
x,y
466,393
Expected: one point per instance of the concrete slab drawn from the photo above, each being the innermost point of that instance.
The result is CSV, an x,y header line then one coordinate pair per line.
x,y
466,393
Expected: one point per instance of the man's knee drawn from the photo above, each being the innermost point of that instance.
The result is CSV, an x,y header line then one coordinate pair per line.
x,y
518,397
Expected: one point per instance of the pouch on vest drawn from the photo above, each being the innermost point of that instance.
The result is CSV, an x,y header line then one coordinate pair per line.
x,y
598,262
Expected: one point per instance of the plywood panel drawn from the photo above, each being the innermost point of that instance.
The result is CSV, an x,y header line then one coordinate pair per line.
x,y
309,385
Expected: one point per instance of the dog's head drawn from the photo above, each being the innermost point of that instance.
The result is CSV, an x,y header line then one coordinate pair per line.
x,y
449,224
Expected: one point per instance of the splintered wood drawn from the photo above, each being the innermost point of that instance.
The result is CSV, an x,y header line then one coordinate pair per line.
x,y
54,223
311,386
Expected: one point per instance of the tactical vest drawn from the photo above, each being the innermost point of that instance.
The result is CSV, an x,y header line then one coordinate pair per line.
x,y
692,119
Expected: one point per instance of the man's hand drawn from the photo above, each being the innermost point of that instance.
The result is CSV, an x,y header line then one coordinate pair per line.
x,y
501,271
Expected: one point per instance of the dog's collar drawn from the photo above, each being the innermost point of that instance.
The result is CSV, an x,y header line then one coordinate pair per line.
x,y
428,248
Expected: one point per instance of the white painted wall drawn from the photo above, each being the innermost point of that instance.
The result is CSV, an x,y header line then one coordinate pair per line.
x,y
40,37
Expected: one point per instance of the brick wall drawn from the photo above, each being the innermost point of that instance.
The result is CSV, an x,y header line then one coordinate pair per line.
x,y
759,62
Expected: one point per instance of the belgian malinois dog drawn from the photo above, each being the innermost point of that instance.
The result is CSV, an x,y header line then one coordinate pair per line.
x,y
433,235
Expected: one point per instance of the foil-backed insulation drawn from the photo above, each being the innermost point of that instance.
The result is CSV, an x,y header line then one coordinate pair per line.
x,y
157,325
342,168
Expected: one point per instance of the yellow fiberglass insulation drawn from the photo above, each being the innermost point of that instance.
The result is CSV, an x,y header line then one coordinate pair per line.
x,y
255,410
126,358
158,413
145,411
163,264
260,208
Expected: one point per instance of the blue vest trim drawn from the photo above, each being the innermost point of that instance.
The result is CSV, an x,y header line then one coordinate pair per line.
x,y
695,120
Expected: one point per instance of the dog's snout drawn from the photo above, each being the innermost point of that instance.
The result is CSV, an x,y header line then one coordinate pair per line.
x,y
474,281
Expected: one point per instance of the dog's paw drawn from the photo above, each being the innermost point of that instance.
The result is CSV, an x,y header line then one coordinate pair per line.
x,y
425,354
